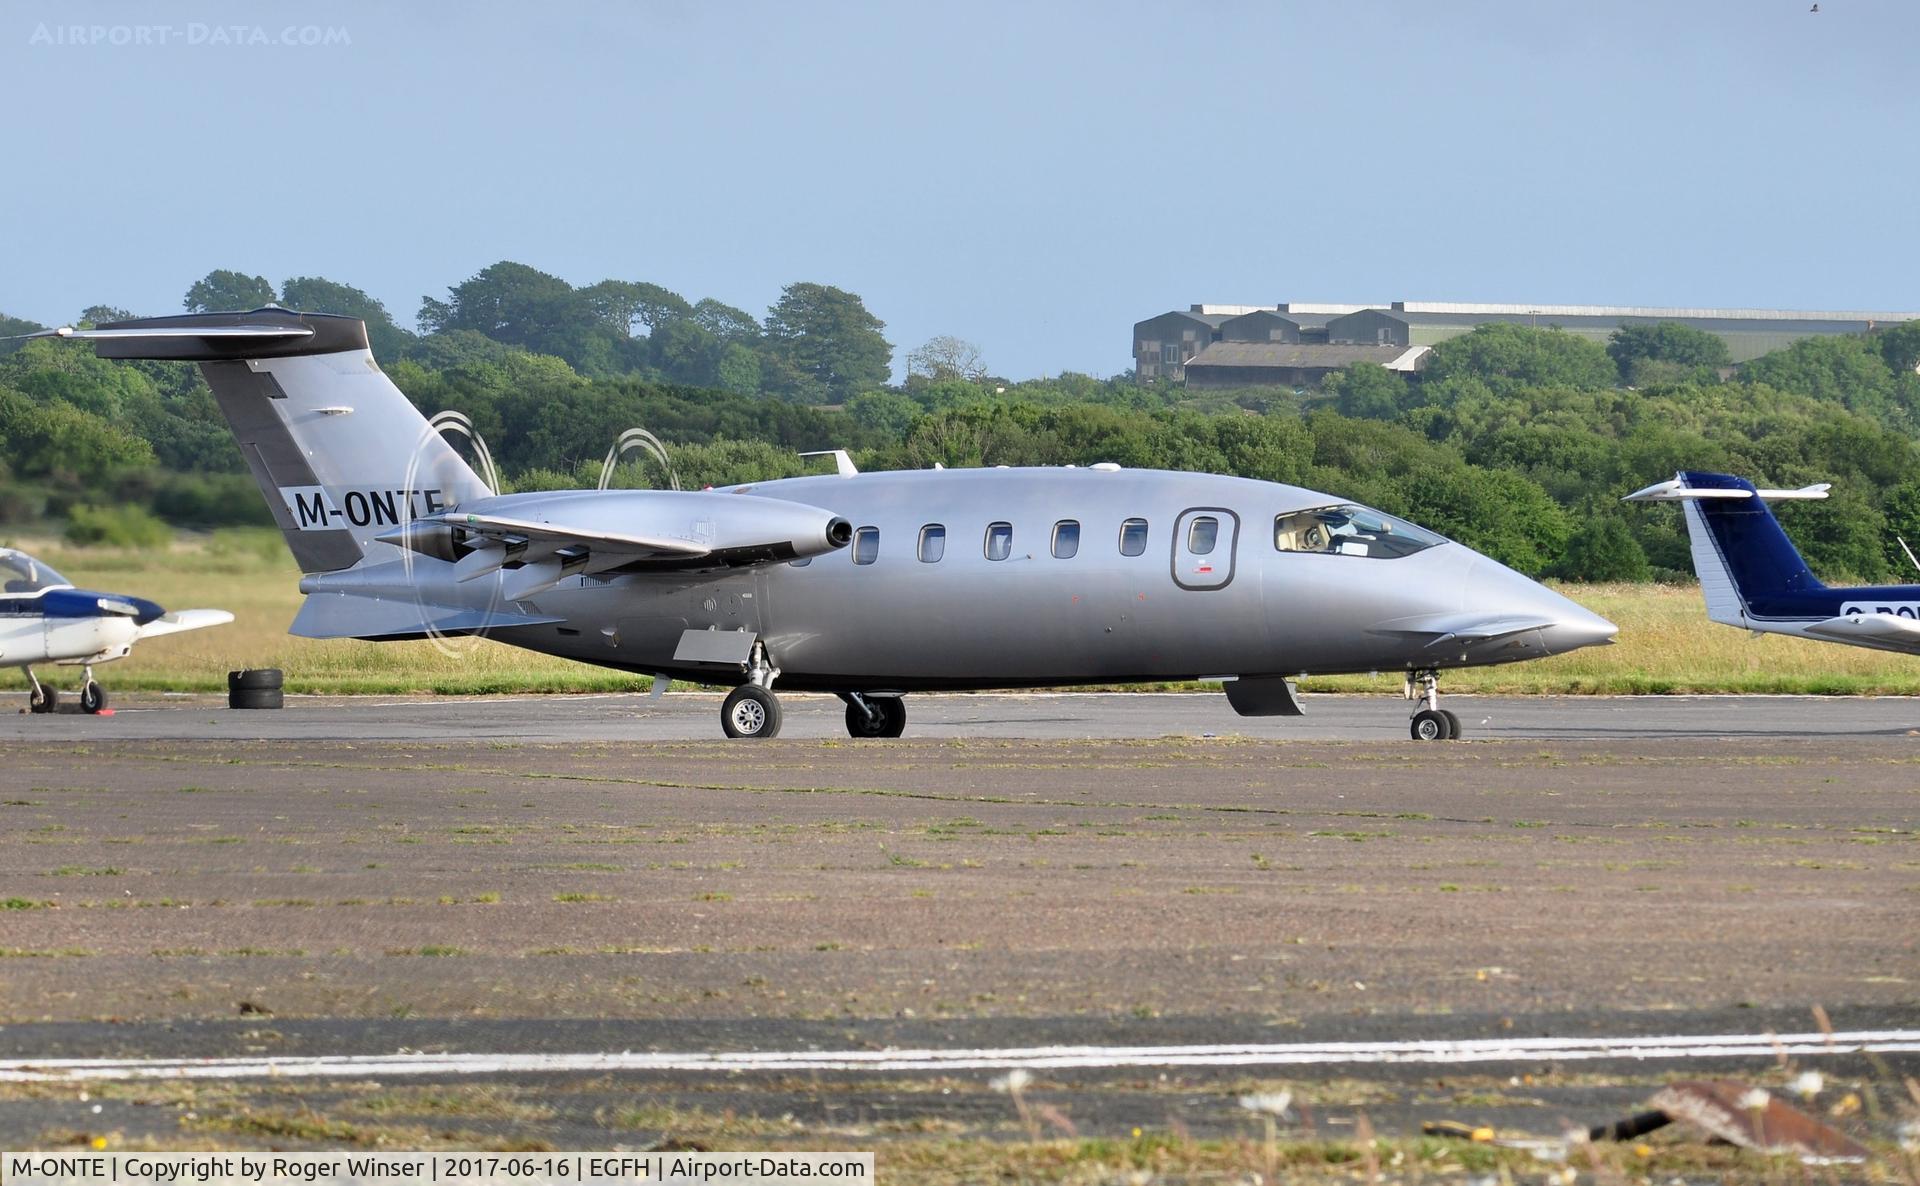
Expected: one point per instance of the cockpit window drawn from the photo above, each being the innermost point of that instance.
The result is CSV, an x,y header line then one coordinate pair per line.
x,y
1351,531
21,573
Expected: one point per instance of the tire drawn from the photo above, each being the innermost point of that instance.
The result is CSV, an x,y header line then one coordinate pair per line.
x,y
750,713
256,698
48,700
93,698
889,719
258,679
1454,731
1429,725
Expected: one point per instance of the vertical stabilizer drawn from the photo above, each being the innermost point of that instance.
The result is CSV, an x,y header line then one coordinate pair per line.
x,y
340,454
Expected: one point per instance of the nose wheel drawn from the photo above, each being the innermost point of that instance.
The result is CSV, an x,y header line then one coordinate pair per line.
x,y
1430,722
751,712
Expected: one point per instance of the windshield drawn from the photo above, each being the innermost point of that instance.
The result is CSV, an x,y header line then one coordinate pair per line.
x,y
21,573
1350,531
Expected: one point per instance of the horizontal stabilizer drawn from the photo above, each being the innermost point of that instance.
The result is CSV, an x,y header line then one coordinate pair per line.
x,y
1887,632
1677,490
255,332
183,620
342,615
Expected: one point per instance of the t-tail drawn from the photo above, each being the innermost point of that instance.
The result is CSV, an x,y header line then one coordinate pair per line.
x,y
341,455
1747,566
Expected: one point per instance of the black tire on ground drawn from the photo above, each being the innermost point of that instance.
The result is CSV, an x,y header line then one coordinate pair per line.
x,y
889,717
1429,725
47,701
1454,731
93,697
255,679
256,698
750,713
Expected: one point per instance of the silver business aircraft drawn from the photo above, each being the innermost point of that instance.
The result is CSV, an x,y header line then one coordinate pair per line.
x,y
44,619
868,585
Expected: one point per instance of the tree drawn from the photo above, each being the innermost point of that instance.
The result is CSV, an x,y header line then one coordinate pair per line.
x,y
1667,342
725,322
824,345
1603,549
1900,346
1506,357
223,291
63,443
102,314
943,358
314,294
623,304
1367,389
738,370
507,302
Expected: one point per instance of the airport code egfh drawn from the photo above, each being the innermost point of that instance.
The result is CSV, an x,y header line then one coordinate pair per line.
x,y
431,1169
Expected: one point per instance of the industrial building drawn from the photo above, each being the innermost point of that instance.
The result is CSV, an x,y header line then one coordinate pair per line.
x,y
1297,344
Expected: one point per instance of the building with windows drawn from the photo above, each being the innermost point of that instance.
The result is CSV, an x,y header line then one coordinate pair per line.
x,y
1241,345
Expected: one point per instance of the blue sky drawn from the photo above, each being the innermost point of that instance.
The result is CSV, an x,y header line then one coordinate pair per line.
x,y
1031,177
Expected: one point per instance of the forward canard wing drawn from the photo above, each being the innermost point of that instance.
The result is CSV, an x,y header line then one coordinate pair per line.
x,y
183,620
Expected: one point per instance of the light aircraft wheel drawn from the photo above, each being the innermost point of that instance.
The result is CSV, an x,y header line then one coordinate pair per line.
x,y
1431,725
751,713
93,697
1454,731
43,701
889,717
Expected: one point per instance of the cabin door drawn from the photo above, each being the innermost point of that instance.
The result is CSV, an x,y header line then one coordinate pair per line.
x,y
1204,541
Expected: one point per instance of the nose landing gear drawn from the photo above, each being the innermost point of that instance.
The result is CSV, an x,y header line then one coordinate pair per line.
x,y
42,698
1430,721
751,711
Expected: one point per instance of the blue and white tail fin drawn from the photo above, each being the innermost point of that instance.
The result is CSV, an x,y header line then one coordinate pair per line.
x,y
340,454
1739,551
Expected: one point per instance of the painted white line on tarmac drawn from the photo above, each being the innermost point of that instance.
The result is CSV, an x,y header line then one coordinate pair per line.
x,y
1031,1057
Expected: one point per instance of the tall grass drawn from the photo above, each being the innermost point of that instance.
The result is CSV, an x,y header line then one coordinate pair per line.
x,y
1666,643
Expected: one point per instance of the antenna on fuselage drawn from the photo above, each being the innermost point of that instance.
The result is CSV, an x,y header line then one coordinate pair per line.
x,y
842,464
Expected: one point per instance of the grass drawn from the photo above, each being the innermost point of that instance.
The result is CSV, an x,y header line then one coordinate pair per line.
x,y
1666,643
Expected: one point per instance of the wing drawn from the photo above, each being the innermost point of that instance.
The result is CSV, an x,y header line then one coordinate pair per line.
x,y
186,619
1886,632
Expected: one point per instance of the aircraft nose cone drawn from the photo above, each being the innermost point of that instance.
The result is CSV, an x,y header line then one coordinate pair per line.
x,y
1581,628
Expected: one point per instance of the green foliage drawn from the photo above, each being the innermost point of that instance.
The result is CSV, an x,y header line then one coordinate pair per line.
x,y
1367,389
1843,369
1604,549
222,291
1665,352
313,294
1505,357
63,443
116,527
824,345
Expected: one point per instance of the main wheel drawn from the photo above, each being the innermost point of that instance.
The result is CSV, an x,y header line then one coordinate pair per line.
x,y
889,717
93,697
1431,725
45,701
750,712
1454,732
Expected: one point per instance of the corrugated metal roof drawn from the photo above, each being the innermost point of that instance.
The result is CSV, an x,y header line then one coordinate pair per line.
x,y
1296,354
1722,324
1653,312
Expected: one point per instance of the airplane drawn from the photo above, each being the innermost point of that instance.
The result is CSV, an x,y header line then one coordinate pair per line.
x,y
1753,577
866,585
44,619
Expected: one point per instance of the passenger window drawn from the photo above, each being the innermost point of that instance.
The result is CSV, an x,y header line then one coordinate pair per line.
x,y
999,540
1133,537
933,543
1066,539
1201,535
866,545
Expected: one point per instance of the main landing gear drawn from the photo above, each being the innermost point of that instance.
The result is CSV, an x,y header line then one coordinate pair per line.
x,y
875,716
41,698
1430,721
751,711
